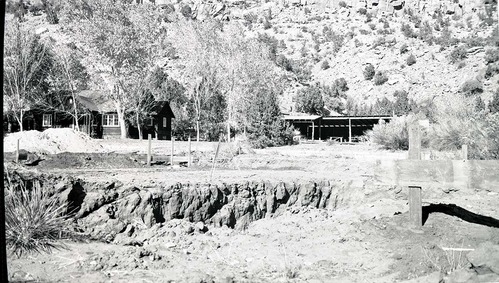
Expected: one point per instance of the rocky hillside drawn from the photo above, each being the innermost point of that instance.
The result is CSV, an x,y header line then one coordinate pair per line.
x,y
412,42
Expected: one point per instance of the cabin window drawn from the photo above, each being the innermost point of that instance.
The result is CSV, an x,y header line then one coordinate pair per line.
x,y
110,120
150,122
47,120
164,122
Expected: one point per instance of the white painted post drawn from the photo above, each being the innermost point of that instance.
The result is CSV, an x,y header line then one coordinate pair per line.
x,y
349,129
415,202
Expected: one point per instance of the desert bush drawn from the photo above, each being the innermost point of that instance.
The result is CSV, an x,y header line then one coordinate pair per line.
x,y
372,26
283,62
494,103
34,220
362,11
380,78
302,71
446,39
267,24
408,31
364,32
491,55
426,33
471,87
458,54
369,72
458,122
461,65
411,60
404,48
186,11
343,4
393,135
325,65
492,70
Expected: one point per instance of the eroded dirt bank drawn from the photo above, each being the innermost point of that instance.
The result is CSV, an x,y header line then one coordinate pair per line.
x,y
254,231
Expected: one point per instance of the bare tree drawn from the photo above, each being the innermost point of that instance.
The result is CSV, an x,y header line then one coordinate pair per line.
x,y
26,65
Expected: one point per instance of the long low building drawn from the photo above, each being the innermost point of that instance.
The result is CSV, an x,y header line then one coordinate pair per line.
x,y
343,128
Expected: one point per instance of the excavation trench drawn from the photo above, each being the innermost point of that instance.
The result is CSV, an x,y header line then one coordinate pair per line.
x,y
106,209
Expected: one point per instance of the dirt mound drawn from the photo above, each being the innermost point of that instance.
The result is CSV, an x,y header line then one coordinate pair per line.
x,y
51,141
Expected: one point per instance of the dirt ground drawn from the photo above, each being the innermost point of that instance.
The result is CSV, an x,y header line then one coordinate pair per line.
x,y
366,238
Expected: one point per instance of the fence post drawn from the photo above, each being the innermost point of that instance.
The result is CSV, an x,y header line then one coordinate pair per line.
x,y
171,154
189,154
17,151
464,151
415,203
149,150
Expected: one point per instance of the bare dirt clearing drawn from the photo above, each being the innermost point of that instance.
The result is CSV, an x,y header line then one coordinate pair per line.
x,y
330,223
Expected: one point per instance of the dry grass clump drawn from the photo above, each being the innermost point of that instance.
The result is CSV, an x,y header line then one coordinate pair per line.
x,y
34,220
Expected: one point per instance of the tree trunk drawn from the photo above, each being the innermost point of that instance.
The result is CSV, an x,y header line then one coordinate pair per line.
x,y
77,126
20,120
121,120
197,130
138,125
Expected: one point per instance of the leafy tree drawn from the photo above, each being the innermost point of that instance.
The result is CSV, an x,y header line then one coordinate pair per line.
x,y
402,105
67,77
124,38
309,100
471,87
27,63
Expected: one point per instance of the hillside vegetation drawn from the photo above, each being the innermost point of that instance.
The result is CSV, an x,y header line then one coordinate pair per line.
x,y
227,65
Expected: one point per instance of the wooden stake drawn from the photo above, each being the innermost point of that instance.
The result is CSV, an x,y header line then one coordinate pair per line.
x,y
171,155
464,151
17,151
189,154
415,207
215,157
414,142
149,150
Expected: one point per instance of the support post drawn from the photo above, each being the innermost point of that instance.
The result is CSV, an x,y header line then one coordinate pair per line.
x,y
349,129
313,130
415,203
189,154
415,207
171,155
415,141
464,152
149,150
17,151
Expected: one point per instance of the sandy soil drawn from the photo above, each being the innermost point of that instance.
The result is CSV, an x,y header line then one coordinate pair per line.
x,y
365,239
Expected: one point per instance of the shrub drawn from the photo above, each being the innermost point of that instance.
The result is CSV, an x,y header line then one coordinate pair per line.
x,y
411,60
380,78
393,135
458,54
34,220
362,11
408,31
283,62
325,65
461,65
426,33
494,103
403,48
369,72
471,88
492,55
372,26
364,32
458,122
343,4
186,11
267,24
491,70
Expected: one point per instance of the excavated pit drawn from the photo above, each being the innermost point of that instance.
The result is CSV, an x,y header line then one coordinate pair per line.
x,y
106,209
